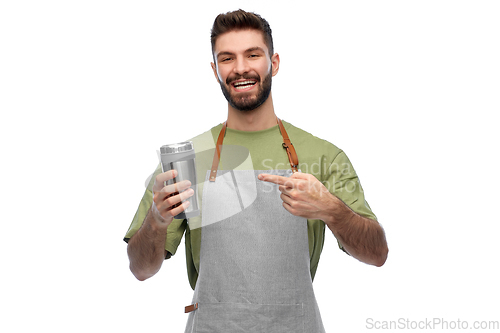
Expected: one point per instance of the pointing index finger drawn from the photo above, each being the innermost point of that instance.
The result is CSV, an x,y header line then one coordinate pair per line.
x,y
279,180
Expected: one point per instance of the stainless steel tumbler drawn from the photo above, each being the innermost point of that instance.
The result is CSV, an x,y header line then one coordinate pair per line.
x,y
181,157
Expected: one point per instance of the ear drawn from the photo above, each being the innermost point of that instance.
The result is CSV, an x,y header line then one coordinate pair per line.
x,y
214,68
275,63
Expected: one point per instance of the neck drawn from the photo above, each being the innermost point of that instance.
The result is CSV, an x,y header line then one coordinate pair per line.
x,y
258,119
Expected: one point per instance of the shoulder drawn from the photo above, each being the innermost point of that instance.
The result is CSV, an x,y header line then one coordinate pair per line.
x,y
309,145
207,139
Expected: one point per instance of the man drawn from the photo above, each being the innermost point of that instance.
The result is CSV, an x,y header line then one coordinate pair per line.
x,y
253,252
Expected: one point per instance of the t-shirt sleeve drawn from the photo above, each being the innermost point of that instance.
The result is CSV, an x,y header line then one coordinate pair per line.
x,y
343,182
175,230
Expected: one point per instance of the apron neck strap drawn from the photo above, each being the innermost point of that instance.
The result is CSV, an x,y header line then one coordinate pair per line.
x,y
218,146
290,150
287,144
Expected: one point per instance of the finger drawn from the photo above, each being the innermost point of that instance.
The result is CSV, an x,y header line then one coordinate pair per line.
x,y
279,180
288,208
294,207
286,199
178,198
176,187
162,178
283,188
179,209
173,200
288,191
167,208
170,190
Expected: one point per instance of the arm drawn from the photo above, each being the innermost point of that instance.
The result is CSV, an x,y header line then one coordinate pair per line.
x,y
304,195
362,238
146,248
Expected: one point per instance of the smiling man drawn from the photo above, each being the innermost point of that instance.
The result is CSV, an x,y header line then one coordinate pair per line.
x,y
244,73
253,252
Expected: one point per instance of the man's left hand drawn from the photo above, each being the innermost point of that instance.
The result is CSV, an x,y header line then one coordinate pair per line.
x,y
304,195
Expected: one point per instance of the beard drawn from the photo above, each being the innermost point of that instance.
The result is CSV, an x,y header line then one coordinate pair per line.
x,y
246,101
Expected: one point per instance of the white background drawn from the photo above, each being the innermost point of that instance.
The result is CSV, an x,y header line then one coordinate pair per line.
x,y
89,90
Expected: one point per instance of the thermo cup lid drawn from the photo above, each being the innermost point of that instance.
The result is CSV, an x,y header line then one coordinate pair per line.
x,y
177,147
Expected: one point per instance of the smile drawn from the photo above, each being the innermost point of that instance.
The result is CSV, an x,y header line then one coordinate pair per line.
x,y
244,85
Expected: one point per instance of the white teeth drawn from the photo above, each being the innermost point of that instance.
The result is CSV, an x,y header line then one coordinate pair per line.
x,y
243,83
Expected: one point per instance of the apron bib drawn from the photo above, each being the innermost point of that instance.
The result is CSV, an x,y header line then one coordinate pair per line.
x,y
254,273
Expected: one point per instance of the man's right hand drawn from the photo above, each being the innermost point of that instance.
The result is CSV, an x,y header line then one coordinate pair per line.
x,y
167,200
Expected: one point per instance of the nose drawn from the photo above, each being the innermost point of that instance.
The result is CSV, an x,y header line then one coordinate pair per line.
x,y
241,66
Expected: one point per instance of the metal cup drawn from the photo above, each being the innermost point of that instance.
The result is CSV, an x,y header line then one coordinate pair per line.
x,y
181,157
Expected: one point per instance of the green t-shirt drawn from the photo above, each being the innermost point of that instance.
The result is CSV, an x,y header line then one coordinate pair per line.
x,y
318,157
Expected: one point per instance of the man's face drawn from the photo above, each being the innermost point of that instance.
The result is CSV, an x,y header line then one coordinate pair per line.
x,y
244,68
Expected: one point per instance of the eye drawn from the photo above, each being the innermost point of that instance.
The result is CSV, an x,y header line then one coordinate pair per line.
x,y
225,59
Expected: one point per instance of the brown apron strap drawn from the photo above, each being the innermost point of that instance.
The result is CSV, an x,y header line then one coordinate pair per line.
x,y
190,308
215,163
290,150
287,144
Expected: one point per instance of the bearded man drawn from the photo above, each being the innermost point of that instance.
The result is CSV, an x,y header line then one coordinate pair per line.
x,y
253,252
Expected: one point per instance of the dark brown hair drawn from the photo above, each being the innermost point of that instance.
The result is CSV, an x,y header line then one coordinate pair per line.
x,y
241,19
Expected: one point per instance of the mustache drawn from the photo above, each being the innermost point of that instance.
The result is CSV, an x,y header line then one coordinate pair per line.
x,y
239,77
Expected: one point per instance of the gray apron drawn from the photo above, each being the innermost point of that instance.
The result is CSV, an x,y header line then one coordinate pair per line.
x,y
254,273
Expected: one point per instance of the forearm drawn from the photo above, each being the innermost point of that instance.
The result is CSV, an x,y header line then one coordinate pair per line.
x,y
362,238
146,248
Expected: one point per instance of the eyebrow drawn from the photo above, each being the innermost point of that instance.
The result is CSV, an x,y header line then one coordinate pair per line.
x,y
255,48
252,49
